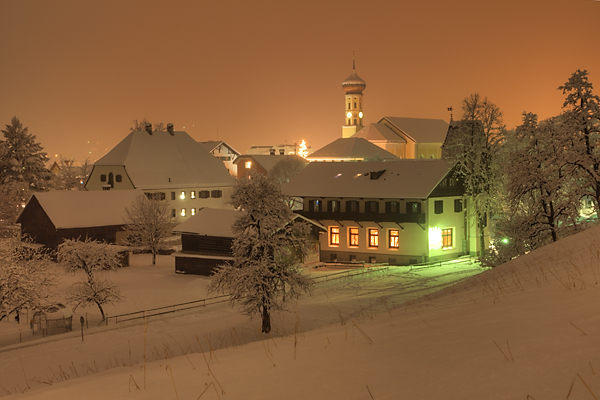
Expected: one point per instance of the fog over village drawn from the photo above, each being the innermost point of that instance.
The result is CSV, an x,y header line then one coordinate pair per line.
x,y
207,200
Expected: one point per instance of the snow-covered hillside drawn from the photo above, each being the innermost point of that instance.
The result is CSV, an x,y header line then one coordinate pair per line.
x,y
528,329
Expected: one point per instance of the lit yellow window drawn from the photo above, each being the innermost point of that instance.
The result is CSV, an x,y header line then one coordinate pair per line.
x,y
334,236
182,196
447,238
193,194
394,243
373,238
248,164
353,237
183,212
193,211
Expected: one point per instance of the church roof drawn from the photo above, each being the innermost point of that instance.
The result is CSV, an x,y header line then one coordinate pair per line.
x,y
379,132
354,84
422,130
406,179
162,160
351,148
81,208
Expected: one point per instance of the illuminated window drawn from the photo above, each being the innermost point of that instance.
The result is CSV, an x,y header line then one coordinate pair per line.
x,y
182,196
373,237
193,211
334,236
248,164
353,237
447,238
183,212
393,238
193,194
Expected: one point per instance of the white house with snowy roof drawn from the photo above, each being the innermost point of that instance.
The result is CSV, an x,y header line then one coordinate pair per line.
x,y
398,212
168,165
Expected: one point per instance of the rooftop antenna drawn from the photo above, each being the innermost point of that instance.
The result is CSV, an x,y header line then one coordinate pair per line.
x,y
353,63
450,109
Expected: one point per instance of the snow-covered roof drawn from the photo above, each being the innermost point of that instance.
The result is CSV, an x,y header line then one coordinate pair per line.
x,y
209,222
411,179
351,148
379,132
80,208
422,130
213,144
162,160
267,162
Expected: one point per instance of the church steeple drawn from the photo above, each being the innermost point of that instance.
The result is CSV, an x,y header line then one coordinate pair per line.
x,y
353,116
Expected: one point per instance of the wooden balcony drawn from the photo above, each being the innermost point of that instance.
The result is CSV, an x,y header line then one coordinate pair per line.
x,y
360,217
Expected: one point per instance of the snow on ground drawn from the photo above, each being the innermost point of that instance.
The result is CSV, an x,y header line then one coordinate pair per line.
x,y
528,329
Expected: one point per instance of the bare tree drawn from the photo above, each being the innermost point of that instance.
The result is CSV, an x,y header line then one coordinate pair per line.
x,y
25,277
92,258
287,168
149,222
267,247
475,147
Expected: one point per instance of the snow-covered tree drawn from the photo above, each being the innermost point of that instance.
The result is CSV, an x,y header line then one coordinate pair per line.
x,y
286,169
148,223
25,277
92,259
71,176
475,147
541,182
22,158
265,274
581,123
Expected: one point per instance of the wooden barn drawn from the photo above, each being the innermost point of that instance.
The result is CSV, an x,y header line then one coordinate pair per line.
x,y
50,217
206,240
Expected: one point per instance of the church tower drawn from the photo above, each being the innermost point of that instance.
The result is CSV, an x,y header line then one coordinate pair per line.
x,y
353,86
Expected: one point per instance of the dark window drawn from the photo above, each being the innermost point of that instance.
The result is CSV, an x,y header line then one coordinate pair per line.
x,y
458,205
216,194
118,178
111,179
354,104
156,195
413,207
354,121
348,122
204,194
392,207
333,206
173,213
372,206
103,178
315,205
352,206
349,106
439,206
172,195
281,152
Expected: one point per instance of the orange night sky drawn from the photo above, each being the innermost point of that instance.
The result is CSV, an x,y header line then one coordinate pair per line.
x,y
268,72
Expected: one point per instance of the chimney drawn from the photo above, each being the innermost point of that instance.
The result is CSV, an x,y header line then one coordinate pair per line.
x,y
170,129
149,128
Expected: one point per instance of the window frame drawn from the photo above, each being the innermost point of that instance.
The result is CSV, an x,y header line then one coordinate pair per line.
x,y
438,206
394,240
447,233
334,236
372,238
353,237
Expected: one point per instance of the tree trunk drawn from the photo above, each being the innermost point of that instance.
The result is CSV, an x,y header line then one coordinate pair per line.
x,y
266,320
153,257
101,311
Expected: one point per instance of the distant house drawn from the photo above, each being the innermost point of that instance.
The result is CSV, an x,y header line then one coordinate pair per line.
x,y
260,163
351,149
412,138
223,152
206,241
279,149
168,165
50,217
400,212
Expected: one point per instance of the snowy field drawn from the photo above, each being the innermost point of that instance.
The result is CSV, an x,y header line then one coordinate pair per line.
x,y
527,330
